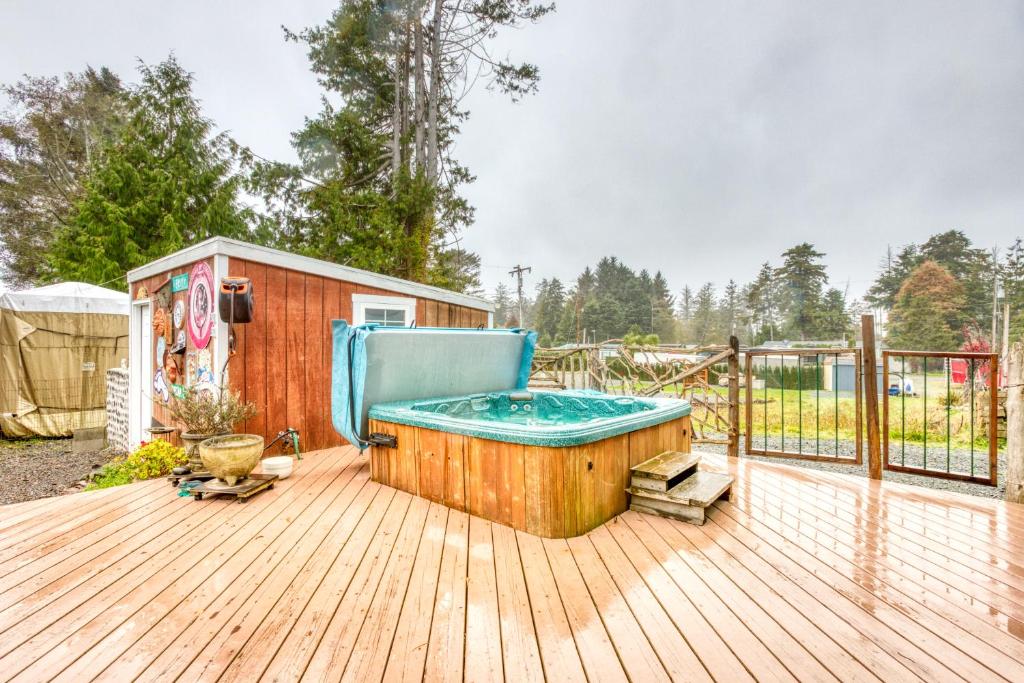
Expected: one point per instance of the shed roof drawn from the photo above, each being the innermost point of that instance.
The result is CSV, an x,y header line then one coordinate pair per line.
x,y
253,252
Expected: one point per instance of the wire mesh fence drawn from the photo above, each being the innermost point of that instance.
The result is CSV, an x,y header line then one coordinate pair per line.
x,y
940,414
804,404
53,407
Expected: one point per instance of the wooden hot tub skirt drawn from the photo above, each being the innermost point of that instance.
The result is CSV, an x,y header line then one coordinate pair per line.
x,y
552,492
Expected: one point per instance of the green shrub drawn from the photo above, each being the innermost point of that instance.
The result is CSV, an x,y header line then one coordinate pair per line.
x,y
153,459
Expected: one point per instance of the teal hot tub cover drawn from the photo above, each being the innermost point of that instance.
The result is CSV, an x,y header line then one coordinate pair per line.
x,y
373,364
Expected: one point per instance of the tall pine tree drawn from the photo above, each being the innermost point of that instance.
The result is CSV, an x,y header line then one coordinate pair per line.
x,y
52,137
167,181
802,278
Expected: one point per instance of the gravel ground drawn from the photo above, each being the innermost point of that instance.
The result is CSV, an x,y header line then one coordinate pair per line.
x,y
38,468
913,455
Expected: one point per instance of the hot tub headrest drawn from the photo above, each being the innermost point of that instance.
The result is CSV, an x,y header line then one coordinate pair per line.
x,y
373,364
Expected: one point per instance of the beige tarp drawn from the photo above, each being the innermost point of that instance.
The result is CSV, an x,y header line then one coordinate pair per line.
x,y
53,361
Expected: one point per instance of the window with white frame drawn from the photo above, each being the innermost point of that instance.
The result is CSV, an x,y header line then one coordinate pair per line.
x,y
386,311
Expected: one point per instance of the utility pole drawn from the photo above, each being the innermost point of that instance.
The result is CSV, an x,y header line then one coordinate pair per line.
x,y
995,300
517,273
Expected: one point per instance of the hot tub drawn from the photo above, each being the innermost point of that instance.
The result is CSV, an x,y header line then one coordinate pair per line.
x,y
445,415
554,464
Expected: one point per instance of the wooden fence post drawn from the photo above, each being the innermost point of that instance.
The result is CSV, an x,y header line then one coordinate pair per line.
x,y
734,398
867,326
1015,424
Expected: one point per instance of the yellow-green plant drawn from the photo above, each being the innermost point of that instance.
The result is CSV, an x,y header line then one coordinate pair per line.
x,y
153,459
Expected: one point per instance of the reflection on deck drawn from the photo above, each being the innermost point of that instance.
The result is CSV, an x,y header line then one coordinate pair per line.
x,y
804,575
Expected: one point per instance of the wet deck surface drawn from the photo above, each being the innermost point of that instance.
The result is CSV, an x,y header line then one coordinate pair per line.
x,y
804,575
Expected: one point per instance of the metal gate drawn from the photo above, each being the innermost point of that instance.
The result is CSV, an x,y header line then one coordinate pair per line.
x,y
807,405
960,426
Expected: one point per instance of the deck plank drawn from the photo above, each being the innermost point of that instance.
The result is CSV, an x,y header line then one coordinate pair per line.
x,y
796,652
728,653
284,640
956,634
558,652
408,653
483,658
599,657
370,650
638,658
939,584
446,645
802,575
161,617
243,599
272,604
61,643
520,654
890,631
677,652
331,655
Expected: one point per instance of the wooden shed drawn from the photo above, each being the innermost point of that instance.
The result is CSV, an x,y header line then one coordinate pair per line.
x,y
282,359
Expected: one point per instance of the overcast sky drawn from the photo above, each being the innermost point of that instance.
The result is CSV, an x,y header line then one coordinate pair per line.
x,y
697,138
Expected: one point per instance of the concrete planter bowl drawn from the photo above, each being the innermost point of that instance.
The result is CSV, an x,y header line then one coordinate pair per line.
x,y
231,457
191,440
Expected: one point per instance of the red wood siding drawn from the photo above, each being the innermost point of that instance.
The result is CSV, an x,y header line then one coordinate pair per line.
x,y
283,361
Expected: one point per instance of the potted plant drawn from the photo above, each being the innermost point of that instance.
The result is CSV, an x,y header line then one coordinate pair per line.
x,y
205,413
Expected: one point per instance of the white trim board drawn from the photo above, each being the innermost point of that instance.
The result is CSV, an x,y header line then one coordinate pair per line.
x,y
303,264
360,302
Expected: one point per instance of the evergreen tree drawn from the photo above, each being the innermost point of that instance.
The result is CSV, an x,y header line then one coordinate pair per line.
x,y
547,310
894,271
51,137
604,318
664,323
167,181
504,306
834,320
386,187
763,304
729,310
973,268
802,278
705,327
1011,274
457,269
927,307
685,304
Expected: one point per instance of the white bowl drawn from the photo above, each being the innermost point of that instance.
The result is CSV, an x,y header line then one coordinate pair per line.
x,y
281,465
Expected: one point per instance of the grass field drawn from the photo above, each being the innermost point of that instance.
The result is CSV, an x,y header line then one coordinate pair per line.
x,y
829,415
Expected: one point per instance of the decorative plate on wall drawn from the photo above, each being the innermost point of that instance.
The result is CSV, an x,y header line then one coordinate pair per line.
x,y
200,306
160,386
179,313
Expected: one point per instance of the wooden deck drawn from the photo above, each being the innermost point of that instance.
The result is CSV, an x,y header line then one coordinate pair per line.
x,y
805,575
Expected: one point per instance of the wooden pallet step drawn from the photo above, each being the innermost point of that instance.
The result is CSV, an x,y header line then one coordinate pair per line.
x,y
700,489
691,514
664,471
686,501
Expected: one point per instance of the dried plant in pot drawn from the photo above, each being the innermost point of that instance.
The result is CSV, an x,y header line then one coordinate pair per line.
x,y
205,412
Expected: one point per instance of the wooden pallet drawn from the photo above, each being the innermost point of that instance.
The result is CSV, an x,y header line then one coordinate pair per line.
x,y
669,485
242,491
664,471
176,479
